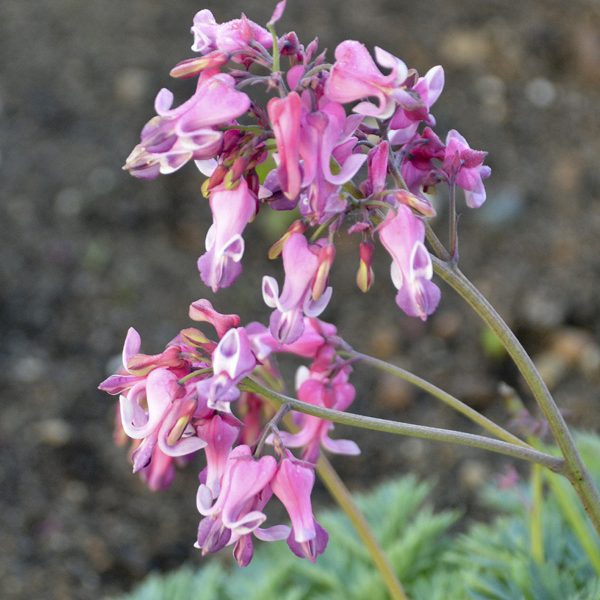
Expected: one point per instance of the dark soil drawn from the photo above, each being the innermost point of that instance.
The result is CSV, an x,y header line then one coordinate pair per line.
x,y
88,251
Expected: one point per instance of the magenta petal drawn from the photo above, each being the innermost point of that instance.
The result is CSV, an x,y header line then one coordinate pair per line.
x,y
115,384
232,210
272,534
284,114
293,485
300,266
402,235
312,548
286,327
243,550
277,13
233,355
347,447
160,389
220,433
203,311
132,345
212,535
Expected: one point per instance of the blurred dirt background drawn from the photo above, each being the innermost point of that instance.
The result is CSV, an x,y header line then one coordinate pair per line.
x,y
87,251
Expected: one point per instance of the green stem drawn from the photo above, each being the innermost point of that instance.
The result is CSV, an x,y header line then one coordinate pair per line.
x,y
575,518
340,493
408,429
440,394
575,470
276,67
452,225
436,244
318,232
193,374
535,515
343,497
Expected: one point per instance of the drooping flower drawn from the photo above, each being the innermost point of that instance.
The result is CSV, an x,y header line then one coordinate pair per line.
x,y
403,234
419,168
327,133
219,431
158,411
377,162
232,360
324,384
229,37
300,262
177,135
284,114
293,484
464,167
234,513
220,265
136,365
355,76
406,120
202,310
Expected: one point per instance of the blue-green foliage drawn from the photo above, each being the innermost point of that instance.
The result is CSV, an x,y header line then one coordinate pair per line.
x,y
489,562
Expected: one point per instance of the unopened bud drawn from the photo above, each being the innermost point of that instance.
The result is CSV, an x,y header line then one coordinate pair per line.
x,y
277,248
420,204
231,182
192,66
364,275
194,337
240,164
175,434
326,258
217,177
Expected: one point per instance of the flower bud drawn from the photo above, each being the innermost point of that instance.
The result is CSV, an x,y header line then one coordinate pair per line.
x,y
192,66
276,249
418,203
364,275
326,258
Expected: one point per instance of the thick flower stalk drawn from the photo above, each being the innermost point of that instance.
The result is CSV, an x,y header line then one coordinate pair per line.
x,y
343,147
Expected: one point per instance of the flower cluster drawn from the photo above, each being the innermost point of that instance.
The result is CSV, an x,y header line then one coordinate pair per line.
x,y
352,147
179,402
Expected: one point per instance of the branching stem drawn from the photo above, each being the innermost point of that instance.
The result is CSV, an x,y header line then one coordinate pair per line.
x,y
408,429
575,470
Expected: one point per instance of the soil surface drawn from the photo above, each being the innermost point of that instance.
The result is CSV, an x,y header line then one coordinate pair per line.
x,y
88,251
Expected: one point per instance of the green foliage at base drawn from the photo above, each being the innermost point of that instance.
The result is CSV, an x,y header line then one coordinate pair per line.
x,y
489,562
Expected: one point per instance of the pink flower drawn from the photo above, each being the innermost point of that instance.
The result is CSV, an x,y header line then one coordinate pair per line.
x,y
327,133
232,360
402,235
418,167
158,410
234,513
203,311
177,135
230,37
219,431
284,114
300,262
325,384
464,167
220,265
293,485
159,471
354,76
377,162
405,122
313,338
136,366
